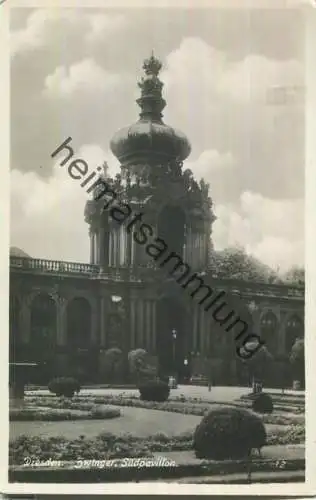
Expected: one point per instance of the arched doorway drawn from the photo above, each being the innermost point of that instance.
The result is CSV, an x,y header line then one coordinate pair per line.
x,y
14,308
171,228
78,337
268,331
171,335
43,334
294,329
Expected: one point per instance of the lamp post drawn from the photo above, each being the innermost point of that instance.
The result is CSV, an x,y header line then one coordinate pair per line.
x,y
174,338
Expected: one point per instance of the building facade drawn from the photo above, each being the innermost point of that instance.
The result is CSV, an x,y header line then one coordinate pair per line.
x,y
149,282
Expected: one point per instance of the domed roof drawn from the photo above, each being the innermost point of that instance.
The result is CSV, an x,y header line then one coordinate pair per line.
x,y
17,252
150,140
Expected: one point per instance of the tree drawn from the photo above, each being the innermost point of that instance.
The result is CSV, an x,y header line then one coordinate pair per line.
x,y
297,359
258,364
235,263
295,275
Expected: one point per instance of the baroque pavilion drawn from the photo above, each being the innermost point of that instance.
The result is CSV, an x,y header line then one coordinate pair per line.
x,y
66,315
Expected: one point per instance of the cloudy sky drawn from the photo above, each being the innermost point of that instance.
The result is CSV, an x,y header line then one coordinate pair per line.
x,y
74,73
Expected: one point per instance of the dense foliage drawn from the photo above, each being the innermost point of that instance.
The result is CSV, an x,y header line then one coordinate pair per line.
x,y
262,403
235,263
295,275
154,390
228,433
64,386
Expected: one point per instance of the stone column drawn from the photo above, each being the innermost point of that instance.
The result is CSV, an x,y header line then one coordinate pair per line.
x,y
133,323
154,338
62,361
94,324
25,319
61,322
140,323
195,327
202,331
103,314
256,316
148,325
92,247
282,332
208,320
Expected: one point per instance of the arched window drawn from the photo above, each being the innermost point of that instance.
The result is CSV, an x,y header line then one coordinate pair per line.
x,y
268,331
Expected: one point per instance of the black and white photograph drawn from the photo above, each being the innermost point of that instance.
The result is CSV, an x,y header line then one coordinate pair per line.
x,y
157,246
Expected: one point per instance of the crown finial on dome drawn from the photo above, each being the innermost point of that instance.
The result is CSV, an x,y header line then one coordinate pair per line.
x,y
151,101
152,66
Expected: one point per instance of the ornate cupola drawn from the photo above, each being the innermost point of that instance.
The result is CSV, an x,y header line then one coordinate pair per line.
x,y
150,141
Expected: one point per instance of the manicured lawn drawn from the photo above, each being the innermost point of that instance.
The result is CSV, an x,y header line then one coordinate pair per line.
x,y
137,421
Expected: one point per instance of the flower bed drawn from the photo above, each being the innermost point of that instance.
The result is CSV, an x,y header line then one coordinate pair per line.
x,y
294,434
108,446
194,407
104,446
62,414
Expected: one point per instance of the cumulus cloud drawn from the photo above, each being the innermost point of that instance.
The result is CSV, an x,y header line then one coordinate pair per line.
x,y
218,87
83,76
46,212
232,106
45,27
47,216
196,67
42,26
271,230
220,171
103,26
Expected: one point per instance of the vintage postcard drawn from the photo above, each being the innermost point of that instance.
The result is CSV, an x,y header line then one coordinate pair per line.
x,y
158,338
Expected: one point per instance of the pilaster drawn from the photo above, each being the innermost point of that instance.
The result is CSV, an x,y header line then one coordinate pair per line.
x,y
103,321
25,319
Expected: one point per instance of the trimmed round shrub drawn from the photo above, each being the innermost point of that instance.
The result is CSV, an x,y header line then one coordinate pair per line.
x,y
262,403
154,390
64,386
228,433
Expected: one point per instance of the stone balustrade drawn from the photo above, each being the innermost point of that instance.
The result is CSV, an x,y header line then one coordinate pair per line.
x,y
53,266
138,274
